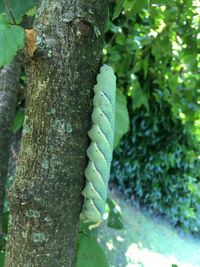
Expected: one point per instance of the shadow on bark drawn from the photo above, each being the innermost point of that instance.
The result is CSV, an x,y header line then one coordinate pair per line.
x,y
9,82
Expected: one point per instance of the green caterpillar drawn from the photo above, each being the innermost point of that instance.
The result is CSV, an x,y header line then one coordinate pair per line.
x,y
100,150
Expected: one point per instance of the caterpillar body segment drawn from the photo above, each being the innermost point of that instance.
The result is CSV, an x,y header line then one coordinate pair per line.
x,y
100,150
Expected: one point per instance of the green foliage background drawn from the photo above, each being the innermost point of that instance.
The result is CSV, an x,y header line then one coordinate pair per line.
x,y
156,57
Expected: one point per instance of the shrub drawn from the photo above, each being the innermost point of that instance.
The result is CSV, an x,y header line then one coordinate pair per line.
x,y
157,163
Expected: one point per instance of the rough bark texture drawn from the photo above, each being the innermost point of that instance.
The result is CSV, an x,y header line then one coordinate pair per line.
x,y
9,77
46,196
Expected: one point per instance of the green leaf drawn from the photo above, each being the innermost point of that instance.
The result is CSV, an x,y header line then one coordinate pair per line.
x,y
2,255
12,39
115,219
18,121
90,254
32,12
145,65
3,239
139,98
121,117
84,228
5,222
18,8
121,39
137,66
138,6
115,56
128,4
118,9
159,2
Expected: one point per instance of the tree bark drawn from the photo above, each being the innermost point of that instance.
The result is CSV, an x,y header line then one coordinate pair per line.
x,y
9,78
46,196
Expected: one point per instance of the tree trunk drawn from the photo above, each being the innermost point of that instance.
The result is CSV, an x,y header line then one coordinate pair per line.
x,y
9,77
46,196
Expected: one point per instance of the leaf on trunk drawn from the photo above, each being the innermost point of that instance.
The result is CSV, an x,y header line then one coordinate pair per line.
x,y
18,121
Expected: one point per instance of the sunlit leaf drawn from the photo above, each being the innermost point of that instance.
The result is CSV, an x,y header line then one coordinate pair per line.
x,y
115,219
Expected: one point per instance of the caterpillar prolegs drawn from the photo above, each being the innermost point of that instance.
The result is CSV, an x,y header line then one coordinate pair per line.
x,y
101,147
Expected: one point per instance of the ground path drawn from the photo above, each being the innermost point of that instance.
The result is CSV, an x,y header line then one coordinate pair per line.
x,y
147,242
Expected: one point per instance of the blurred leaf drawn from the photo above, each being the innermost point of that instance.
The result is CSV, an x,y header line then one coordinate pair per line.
x,y
139,98
118,9
137,6
90,253
2,255
18,7
145,65
32,11
128,4
114,55
5,222
12,39
121,39
138,66
115,219
159,2
18,121
121,117
2,243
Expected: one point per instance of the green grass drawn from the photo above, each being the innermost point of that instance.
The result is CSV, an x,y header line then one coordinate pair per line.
x,y
147,242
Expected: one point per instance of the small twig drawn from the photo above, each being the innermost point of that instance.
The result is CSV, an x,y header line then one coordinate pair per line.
x,y
6,3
